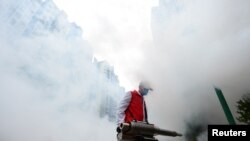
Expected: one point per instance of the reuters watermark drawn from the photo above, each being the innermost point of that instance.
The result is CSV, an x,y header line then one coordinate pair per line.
x,y
237,132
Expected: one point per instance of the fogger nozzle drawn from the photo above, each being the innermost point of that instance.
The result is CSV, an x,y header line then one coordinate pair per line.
x,y
142,128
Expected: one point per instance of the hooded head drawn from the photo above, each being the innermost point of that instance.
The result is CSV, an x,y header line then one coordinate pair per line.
x,y
144,88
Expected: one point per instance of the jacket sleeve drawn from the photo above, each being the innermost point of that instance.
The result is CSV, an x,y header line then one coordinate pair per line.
x,y
122,108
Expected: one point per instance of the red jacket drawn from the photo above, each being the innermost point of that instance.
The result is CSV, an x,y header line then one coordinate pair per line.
x,y
135,108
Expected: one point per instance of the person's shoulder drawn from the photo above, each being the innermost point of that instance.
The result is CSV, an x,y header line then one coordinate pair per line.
x,y
127,95
134,92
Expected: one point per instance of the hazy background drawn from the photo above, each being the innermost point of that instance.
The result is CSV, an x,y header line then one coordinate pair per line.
x,y
184,48
197,45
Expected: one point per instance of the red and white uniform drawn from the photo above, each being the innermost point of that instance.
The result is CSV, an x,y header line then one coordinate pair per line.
x,y
131,108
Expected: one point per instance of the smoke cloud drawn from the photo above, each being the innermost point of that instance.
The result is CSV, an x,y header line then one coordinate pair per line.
x,y
197,46
48,80
45,82
46,93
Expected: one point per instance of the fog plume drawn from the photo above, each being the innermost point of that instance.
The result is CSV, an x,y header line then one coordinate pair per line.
x,y
196,46
50,88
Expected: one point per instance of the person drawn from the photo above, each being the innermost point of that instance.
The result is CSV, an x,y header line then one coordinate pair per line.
x,y
133,107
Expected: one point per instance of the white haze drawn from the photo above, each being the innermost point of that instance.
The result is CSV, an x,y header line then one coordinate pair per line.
x,y
45,93
116,29
196,45
48,80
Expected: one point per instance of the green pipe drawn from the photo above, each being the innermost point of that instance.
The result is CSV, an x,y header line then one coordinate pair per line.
x,y
225,106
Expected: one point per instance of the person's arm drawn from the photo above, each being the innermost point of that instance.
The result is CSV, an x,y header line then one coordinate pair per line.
x,y
122,108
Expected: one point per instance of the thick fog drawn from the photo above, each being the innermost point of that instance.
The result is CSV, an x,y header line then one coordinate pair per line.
x,y
50,88
198,45
49,83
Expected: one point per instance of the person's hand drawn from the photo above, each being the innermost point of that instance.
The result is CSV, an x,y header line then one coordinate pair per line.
x,y
118,129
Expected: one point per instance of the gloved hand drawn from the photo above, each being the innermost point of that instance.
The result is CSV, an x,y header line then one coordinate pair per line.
x,y
118,129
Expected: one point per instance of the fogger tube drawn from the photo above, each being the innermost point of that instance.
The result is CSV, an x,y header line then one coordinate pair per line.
x,y
140,128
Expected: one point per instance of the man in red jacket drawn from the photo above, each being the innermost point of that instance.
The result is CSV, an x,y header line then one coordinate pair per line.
x,y
132,106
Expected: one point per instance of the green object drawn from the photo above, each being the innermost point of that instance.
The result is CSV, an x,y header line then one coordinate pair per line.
x,y
225,106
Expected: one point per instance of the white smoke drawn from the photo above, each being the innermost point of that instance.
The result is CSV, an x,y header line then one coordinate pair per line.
x,y
49,84
45,93
197,45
